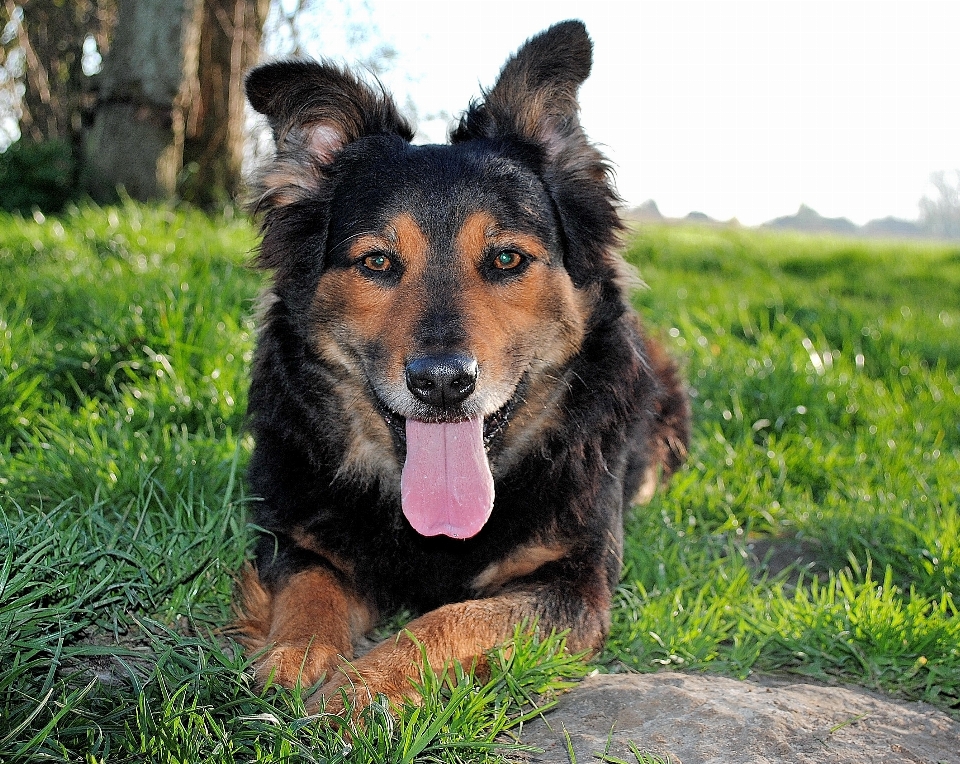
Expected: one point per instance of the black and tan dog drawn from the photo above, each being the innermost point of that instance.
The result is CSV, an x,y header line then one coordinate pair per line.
x,y
452,401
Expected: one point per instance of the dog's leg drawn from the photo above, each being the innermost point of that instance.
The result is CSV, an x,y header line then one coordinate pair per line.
x,y
666,448
461,632
304,630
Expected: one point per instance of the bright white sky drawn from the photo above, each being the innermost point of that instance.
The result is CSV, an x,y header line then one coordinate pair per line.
x,y
735,109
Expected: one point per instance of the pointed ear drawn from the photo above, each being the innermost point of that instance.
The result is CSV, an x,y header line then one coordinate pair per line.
x,y
534,106
314,110
535,98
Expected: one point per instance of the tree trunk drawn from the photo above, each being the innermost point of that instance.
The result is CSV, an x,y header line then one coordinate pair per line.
x,y
138,132
213,149
171,99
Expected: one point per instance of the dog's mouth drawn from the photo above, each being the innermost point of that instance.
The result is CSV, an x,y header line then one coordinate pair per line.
x,y
494,425
446,486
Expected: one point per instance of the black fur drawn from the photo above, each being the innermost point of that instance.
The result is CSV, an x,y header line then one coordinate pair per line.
x,y
344,165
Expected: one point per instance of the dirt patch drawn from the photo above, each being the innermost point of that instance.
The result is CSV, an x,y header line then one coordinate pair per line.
x,y
699,719
775,555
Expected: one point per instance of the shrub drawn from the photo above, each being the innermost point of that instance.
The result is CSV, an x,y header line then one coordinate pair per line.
x,y
37,175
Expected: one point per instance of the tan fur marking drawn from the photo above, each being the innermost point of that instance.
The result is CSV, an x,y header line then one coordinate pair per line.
x,y
368,243
360,312
480,233
308,541
648,486
529,244
459,632
532,324
252,611
521,562
541,413
369,454
474,233
535,317
369,451
369,312
307,628
411,242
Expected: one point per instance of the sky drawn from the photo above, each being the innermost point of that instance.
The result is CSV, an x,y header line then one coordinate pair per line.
x,y
733,109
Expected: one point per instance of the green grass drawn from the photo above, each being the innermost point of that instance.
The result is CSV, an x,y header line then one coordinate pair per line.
x,y
826,380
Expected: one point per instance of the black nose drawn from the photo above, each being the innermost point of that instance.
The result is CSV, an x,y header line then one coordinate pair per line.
x,y
442,380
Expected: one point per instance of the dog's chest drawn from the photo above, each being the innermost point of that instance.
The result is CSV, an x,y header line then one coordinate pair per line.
x,y
396,566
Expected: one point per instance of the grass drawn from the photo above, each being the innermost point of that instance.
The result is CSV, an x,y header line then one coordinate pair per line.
x,y
827,403
826,381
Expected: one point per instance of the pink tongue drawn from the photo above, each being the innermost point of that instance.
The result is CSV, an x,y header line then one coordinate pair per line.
x,y
446,486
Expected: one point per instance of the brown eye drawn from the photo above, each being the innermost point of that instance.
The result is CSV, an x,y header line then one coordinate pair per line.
x,y
378,262
506,260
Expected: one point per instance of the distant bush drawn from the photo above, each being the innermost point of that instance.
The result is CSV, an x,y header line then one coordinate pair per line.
x,y
41,175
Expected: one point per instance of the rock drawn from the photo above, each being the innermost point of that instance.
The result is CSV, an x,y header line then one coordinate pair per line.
x,y
703,719
648,212
811,221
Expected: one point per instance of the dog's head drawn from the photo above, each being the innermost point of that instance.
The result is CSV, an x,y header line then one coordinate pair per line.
x,y
446,288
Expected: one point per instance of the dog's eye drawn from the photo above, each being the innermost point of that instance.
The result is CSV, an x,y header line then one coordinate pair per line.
x,y
378,262
507,259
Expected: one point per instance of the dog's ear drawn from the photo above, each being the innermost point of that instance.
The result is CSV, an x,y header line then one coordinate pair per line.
x,y
314,110
535,98
534,107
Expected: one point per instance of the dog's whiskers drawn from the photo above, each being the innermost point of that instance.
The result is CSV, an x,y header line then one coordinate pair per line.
x,y
351,237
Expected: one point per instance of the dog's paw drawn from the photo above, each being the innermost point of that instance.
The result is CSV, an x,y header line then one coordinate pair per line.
x,y
292,664
358,685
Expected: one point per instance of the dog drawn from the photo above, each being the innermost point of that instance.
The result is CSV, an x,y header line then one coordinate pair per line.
x,y
452,401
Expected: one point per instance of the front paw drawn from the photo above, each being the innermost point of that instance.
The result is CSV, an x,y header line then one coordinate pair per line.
x,y
290,665
356,686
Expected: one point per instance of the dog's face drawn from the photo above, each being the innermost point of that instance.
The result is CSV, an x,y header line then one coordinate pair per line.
x,y
444,281
445,288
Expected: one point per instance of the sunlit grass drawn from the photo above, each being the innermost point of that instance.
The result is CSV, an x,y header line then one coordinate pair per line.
x,y
827,417
826,397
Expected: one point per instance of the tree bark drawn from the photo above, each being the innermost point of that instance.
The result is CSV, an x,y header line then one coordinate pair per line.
x,y
137,137
170,113
213,149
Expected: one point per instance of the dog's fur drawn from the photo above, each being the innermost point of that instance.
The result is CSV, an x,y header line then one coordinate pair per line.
x,y
496,251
